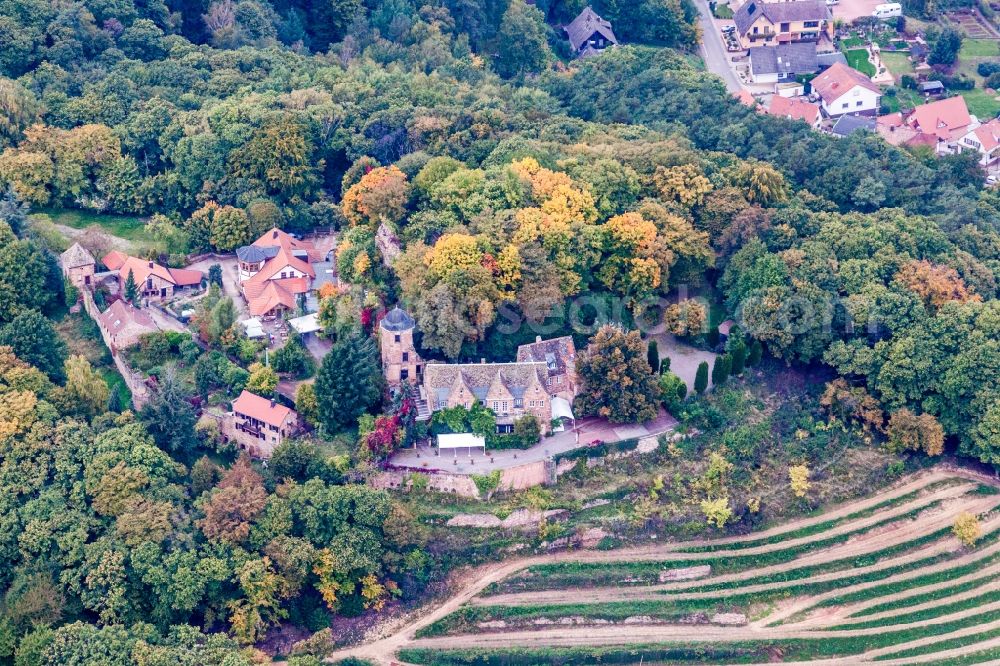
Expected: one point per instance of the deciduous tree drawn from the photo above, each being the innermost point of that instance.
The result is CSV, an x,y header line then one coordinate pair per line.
x,y
615,377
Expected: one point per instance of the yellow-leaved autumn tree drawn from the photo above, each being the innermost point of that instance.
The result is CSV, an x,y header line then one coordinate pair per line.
x,y
684,183
798,479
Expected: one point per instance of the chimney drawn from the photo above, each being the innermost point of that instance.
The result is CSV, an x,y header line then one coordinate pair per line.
x,y
538,338
274,234
482,361
272,404
151,264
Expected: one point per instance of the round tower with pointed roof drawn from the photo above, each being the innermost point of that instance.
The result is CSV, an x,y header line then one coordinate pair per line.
x,y
400,361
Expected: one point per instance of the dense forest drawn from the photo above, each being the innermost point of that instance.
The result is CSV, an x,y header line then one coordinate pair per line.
x,y
515,180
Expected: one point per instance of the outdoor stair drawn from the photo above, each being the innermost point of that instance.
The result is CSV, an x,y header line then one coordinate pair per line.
x,y
423,411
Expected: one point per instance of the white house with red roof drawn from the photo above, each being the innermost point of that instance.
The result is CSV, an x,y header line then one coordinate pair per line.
x,y
948,121
259,424
844,90
151,279
795,109
985,140
275,271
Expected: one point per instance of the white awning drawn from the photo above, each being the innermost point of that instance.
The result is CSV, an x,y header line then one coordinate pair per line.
x,y
307,324
464,440
561,409
253,327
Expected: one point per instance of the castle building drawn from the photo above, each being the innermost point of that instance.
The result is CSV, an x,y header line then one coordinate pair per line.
x,y
78,265
400,361
559,357
541,382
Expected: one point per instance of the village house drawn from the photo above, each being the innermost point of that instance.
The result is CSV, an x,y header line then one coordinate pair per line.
x,y
984,140
943,125
589,34
795,109
78,266
151,279
277,271
260,425
843,90
782,62
559,357
947,120
766,23
123,325
400,361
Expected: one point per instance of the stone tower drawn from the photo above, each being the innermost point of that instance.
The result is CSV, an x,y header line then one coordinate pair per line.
x,y
400,361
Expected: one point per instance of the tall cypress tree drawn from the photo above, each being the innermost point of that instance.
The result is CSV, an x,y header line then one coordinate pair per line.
x,y
701,378
131,290
739,355
756,352
653,357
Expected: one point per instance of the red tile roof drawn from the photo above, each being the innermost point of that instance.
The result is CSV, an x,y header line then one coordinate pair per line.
x,y
746,98
795,109
141,269
272,294
114,260
262,409
988,135
838,80
946,118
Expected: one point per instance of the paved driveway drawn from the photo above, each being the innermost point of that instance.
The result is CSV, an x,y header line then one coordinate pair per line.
x,y
230,281
587,430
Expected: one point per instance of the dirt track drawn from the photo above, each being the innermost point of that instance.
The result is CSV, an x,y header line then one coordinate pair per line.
x,y
813,626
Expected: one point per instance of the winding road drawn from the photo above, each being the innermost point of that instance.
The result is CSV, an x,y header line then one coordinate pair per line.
x,y
713,51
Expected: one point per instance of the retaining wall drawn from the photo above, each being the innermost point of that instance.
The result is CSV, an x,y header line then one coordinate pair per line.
x,y
134,381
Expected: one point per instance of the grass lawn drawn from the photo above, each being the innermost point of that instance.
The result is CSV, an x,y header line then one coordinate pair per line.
x,y
723,12
127,227
898,63
851,42
858,59
979,48
981,104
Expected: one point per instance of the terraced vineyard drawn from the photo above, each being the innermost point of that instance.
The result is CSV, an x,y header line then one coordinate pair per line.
x,y
879,580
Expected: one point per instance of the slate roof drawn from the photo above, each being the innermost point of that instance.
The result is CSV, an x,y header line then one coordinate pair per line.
x,y
586,24
784,59
556,353
780,12
76,256
824,60
441,378
848,125
253,254
397,320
